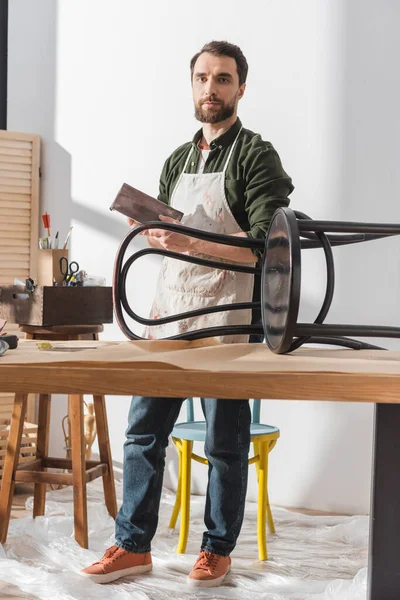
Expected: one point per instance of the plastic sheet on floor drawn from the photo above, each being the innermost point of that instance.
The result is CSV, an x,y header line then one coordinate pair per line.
x,y
310,557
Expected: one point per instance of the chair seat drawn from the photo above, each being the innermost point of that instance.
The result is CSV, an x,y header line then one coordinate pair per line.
x,y
196,430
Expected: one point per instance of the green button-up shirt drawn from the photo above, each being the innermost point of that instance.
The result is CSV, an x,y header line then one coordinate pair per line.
x,y
255,181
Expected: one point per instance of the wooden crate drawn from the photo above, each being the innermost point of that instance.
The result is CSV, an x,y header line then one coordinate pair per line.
x,y
6,406
57,305
28,442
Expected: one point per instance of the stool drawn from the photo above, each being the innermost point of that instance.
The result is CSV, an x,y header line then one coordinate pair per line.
x,y
263,437
36,470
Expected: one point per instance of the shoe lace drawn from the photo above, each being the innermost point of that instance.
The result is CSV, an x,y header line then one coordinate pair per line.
x,y
207,560
111,553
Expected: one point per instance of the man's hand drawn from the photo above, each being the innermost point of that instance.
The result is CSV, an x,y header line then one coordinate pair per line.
x,y
133,223
175,242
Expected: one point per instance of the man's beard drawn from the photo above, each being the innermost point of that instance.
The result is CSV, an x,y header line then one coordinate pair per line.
x,y
223,112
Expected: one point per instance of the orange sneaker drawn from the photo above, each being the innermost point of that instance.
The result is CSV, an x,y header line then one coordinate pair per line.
x,y
209,570
117,563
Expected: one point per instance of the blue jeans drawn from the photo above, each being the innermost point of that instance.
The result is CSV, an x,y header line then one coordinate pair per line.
x,y
150,422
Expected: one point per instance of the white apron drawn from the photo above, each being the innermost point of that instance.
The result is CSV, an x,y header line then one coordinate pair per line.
x,y
184,286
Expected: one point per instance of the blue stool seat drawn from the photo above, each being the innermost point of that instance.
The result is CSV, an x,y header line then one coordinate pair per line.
x,y
195,431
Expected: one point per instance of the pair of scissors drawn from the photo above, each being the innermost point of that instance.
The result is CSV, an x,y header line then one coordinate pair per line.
x,y
68,269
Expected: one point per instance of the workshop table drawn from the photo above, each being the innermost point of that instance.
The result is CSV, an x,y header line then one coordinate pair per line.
x,y
208,368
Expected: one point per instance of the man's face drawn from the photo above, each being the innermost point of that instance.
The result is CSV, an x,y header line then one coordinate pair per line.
x,y
216,89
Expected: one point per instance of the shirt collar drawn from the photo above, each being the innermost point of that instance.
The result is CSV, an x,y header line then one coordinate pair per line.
x,y
223,140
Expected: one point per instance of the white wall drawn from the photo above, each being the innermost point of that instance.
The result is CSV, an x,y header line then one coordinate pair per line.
x,y
107,86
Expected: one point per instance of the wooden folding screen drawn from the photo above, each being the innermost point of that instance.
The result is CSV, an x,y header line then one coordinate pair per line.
x,y
19,217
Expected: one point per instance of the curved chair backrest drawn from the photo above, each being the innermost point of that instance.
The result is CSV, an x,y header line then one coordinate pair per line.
x,y
255,417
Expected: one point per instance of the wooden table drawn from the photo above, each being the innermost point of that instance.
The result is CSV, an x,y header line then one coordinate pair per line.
x,y
180,369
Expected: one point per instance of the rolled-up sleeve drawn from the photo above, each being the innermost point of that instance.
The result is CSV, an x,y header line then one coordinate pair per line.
x,y
267,187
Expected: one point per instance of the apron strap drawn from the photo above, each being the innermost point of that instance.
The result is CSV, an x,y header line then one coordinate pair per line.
x,y
231,150
182,173
227,160
187,160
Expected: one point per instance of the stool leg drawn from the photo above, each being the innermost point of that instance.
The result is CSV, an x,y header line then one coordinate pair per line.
x,y
31,406
177,505
105,454
187,447
42,451
262,502
75,403
270,519
11,462
256,446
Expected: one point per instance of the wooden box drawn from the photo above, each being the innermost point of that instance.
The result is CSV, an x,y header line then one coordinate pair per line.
x,y
28,442
56,305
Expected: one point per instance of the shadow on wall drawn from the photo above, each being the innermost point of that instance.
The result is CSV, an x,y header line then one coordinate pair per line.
x,y
369,273
103,223
367,276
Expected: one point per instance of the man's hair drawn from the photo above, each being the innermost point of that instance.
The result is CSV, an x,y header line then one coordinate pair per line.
x,y
224,49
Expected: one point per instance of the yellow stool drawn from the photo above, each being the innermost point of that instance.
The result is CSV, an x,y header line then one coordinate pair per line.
x,y
263,437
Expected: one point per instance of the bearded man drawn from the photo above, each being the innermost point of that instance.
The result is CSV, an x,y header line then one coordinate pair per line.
x,y
228,181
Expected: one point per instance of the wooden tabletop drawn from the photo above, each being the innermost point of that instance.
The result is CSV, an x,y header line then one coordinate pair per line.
x,y
181,369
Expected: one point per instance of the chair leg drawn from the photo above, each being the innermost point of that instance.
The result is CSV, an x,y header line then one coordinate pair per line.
x,y
271,523
11,462
42,451
75,402
262,502
270,519
256,446
177,505
105,454
187,447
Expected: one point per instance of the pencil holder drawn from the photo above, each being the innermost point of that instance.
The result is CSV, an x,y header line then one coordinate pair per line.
x,y
49,266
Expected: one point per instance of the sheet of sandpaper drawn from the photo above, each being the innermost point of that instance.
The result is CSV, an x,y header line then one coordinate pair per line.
x,y
141,207
204,355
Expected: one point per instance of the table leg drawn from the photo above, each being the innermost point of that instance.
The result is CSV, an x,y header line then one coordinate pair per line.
x,y
11,462
105,454
77,440
42,451
384,555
